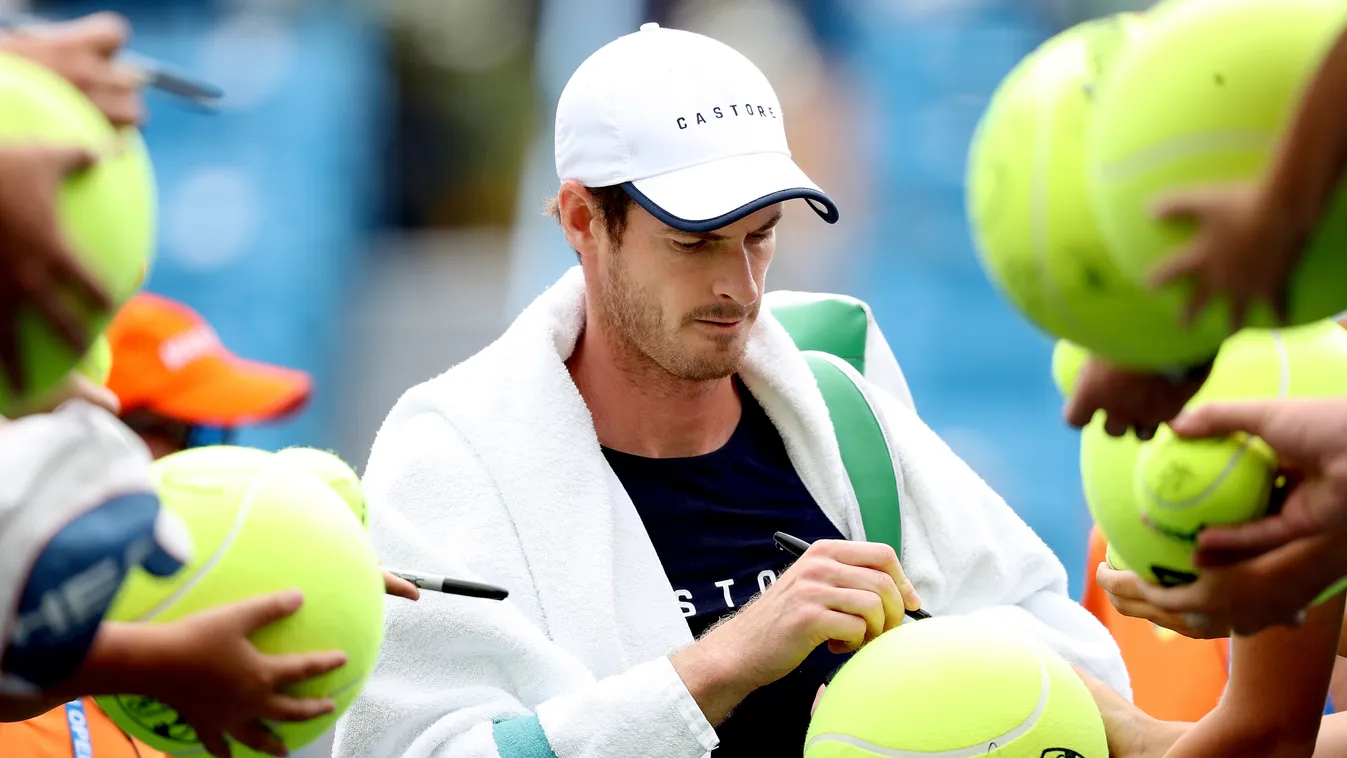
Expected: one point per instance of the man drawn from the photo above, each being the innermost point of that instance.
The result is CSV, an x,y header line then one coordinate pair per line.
x,y
621,457
179,387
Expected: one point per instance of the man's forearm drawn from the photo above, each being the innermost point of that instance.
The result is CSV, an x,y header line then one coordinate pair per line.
x,y
1313,155
710,680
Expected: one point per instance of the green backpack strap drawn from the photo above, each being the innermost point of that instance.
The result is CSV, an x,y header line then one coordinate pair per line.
x,y
833,325
865,451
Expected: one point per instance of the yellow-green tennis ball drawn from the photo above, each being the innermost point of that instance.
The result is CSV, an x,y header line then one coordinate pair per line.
x,y
97,363
1186,485
260,524
1028,199
333,470
105,212
1107,466
950,687
1302,361
1204,99
1068,360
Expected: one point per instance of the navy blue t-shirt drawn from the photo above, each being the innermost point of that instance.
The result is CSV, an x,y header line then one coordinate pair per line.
x,y
711,519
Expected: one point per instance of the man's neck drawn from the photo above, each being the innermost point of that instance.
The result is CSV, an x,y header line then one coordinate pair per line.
x,y
641,409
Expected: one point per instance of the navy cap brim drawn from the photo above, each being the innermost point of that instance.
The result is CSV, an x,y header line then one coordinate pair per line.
x,y
714,194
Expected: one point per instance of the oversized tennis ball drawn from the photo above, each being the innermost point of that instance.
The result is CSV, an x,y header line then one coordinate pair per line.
x,y
1029,208
1068,360
260,523
97,363
105,212
1150,499
953,686
1107,466
1202,100
1301,361
334,471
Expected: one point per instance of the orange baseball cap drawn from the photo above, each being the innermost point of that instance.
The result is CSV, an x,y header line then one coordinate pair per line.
x,y
166,359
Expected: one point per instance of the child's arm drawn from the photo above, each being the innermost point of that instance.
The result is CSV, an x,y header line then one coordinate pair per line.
x,y
203,666
1313,155
1250,236
124,658
1274,702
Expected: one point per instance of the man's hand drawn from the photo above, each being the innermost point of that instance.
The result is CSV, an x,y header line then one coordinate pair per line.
x,y
1310,439
1241,250
1126,592
839,592
1132,399
37,270
1272,589
399,587
84,52
211,674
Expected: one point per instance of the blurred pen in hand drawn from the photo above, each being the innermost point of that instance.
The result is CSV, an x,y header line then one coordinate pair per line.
x,y
154,73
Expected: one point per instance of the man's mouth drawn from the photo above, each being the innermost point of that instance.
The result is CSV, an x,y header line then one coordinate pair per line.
x,y
721,325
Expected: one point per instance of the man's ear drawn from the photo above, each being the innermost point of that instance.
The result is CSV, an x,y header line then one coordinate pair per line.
x,y
579,217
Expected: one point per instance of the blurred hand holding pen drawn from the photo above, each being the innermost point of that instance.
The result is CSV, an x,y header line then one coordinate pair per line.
x,y
153,73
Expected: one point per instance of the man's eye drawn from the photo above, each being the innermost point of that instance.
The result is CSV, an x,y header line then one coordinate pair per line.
x,y
690,247
760,238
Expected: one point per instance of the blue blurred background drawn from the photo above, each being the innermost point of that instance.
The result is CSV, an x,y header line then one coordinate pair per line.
x,y
366,205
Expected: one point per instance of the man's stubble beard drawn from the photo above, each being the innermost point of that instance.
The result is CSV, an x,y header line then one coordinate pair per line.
x,y
636,327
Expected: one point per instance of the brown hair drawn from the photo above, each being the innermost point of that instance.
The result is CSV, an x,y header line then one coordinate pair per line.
x,y
613,203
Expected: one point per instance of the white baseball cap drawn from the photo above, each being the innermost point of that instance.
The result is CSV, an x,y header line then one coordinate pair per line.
x,y
687,125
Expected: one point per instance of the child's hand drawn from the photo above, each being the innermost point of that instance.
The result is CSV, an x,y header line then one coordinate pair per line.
x,y
1131,732
220,684
1131,399
1242,250
1272,589
38,270
1126,591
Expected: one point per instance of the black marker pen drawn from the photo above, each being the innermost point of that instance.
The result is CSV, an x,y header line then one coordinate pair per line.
x,y
452,586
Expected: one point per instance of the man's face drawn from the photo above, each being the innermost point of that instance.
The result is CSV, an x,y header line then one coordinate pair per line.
x,y
687,301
